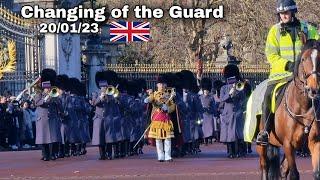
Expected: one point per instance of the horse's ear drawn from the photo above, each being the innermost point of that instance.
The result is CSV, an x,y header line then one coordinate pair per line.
x,y
303,37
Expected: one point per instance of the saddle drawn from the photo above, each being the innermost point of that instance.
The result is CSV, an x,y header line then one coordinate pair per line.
x,y
277,95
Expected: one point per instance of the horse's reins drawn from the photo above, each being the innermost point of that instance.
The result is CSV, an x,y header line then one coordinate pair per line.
x,y
305,89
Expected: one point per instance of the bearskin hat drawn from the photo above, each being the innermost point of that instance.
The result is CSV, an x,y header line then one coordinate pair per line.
x,y
231,70
161,78
132,88
106,77
206,84
82,89
74,86
48,75
142,84
62,81
189,81
123,85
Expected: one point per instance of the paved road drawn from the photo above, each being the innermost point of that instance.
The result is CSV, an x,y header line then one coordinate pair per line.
x,y
211,163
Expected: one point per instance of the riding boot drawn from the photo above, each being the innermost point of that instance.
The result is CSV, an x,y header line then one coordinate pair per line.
x,y
266,118
102,152
249,150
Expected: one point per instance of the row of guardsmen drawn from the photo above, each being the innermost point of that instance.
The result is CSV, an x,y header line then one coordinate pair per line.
x,y
125,114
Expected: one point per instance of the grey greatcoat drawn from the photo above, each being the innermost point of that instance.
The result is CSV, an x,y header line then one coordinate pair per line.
x,y
193,114
208,108
137,111
64,120
84,120
73,107
47,120
232,119
112,120
98,133
127,120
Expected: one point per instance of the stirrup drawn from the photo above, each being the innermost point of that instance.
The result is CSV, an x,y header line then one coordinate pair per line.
x,y
262,143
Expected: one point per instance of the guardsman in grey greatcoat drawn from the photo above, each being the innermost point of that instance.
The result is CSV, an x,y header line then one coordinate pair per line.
x,y
98,133
232,118
84,119
208,108
112,115
61,82
194,111
73,107
47,119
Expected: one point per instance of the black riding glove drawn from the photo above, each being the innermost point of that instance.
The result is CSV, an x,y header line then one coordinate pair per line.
x,y
289,66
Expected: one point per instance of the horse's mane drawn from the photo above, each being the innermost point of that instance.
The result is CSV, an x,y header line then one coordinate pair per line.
x,y
310,44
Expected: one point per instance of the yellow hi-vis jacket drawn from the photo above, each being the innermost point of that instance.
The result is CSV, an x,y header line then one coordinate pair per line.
x,y
279,49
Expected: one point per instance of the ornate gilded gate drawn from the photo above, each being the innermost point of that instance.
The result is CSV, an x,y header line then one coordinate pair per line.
x,y
20,47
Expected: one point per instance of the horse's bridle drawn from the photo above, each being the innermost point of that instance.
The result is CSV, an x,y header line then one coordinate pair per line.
x,y
306,89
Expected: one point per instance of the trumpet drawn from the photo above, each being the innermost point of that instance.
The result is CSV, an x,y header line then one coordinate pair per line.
x,y
52,94
239,86
112,91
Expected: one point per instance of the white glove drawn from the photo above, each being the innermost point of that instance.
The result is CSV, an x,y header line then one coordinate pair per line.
x,y
164,107
146,100
232,91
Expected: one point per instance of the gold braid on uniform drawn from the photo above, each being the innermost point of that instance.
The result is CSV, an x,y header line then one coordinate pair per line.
x,y
161,129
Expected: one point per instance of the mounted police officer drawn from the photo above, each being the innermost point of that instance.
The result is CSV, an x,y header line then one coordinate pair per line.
x,y
284,43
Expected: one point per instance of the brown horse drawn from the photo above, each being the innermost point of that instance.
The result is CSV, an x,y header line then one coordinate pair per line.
x,y
296,119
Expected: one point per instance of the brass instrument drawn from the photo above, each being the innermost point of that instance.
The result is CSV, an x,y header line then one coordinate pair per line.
x,y
52,94
112,91
239,86
33,84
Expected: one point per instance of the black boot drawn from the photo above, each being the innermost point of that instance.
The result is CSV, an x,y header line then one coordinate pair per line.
x,y
109,151
67,150
61,151
83,149
102,152
45,152
229,150
51,152
266,118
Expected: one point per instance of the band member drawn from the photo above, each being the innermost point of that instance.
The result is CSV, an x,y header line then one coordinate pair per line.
x,y
112,114
84,118
73,107
64,148
142,119
208,106
48,122
121,144
232,118
217,84
161,127
174,84
98,134
193,111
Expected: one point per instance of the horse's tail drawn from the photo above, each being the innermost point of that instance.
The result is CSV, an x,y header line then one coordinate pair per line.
x,y
273,158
